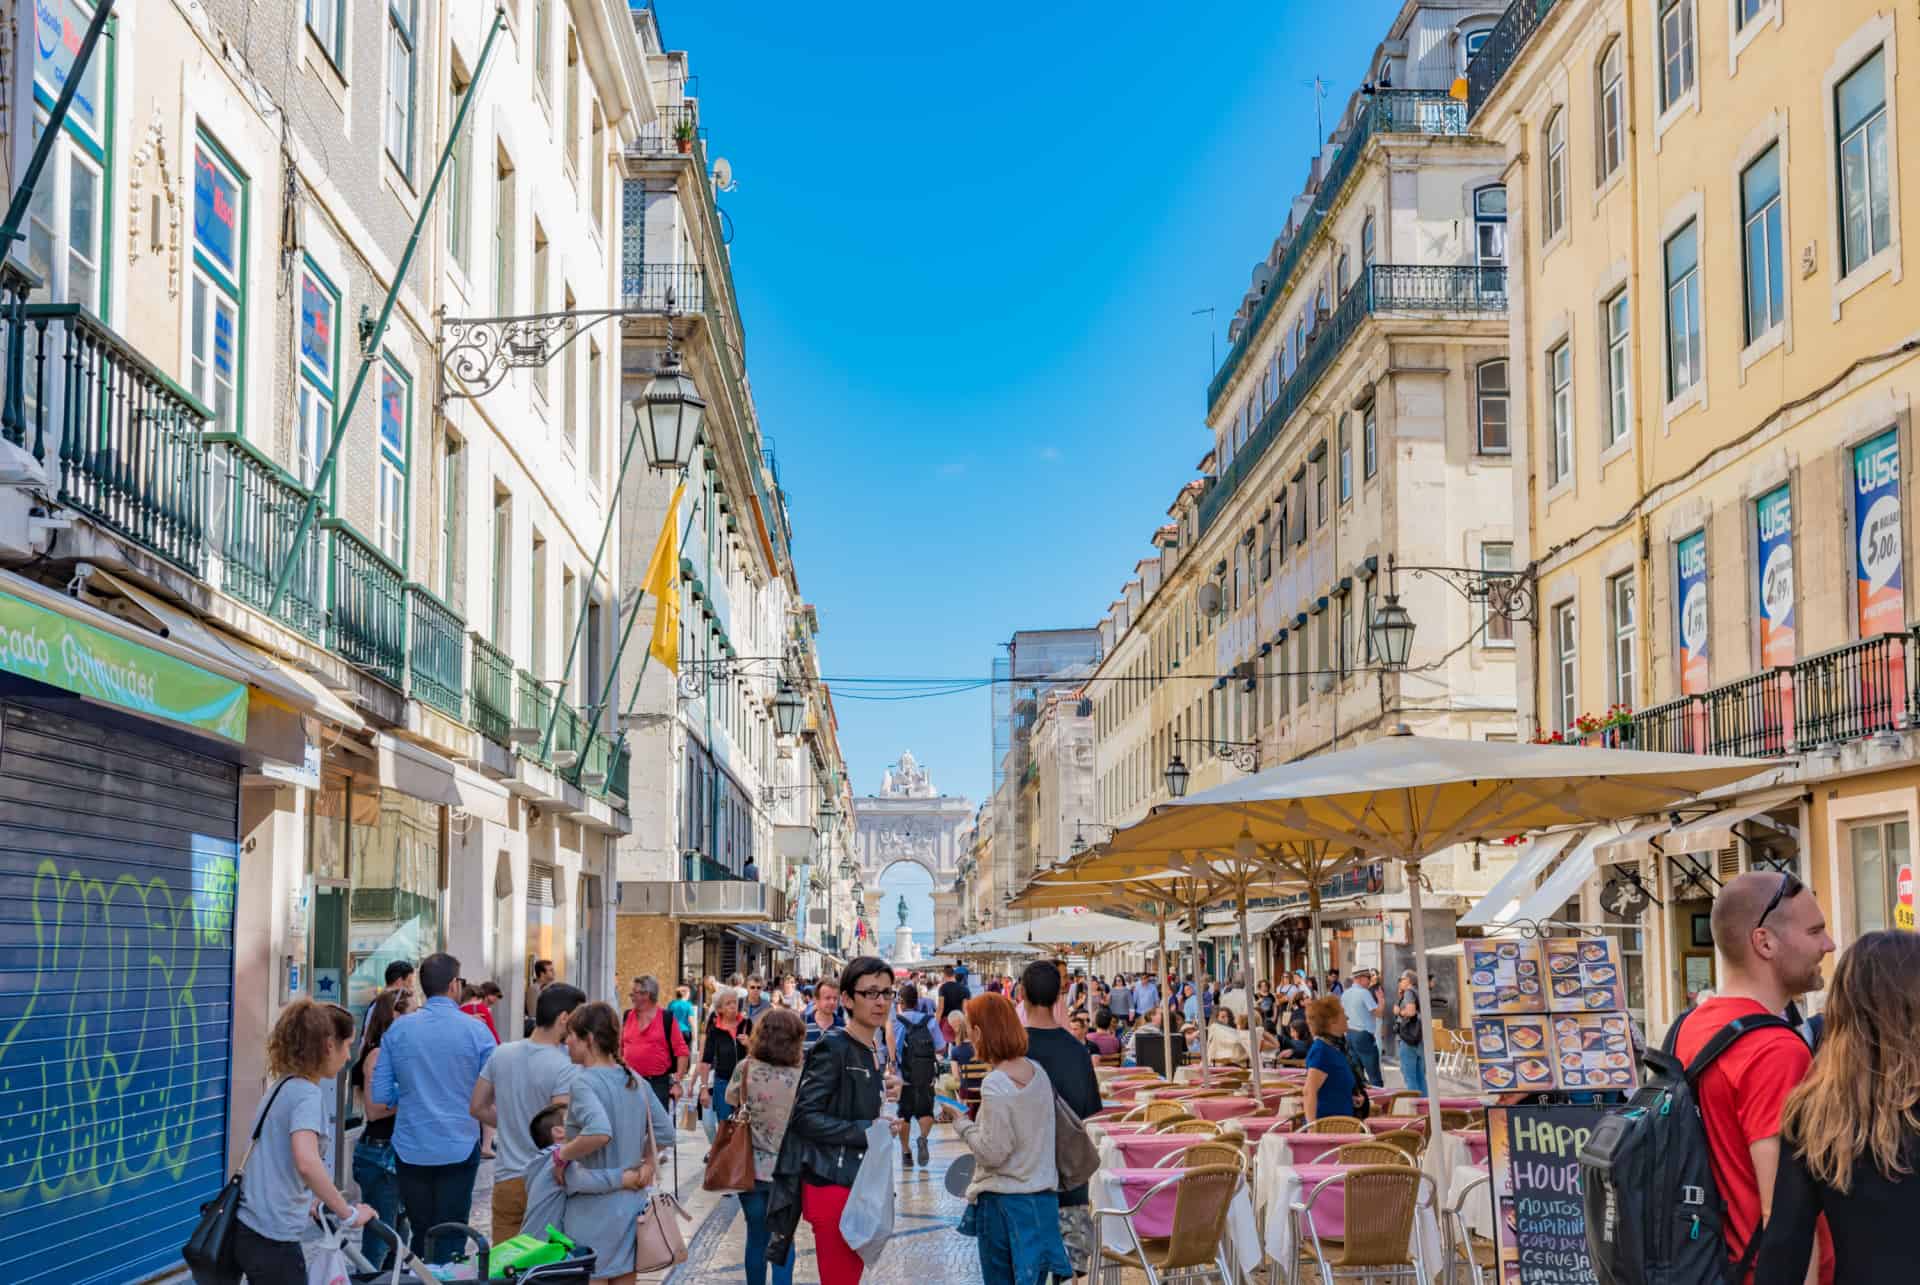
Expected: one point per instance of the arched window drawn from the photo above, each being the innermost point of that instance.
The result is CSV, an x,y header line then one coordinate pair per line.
x,y
1366,244
1610,114
1341,275
1474,41
1553,204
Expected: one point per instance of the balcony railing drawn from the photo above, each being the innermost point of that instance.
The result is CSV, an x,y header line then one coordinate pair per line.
x,y
253,511
535,706
657,286
661,135
1394,111
1752,718
1381,288
618,771
367,618
1853,691
122,439
1504,43
435,651
492,690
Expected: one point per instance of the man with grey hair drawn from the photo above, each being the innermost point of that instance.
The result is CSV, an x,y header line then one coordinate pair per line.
x,y
651,1042
1409,1033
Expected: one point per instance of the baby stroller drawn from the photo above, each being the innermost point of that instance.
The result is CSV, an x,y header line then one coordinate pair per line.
x,y
407,1268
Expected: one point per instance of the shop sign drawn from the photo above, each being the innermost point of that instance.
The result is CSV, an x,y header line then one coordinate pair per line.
x,y
59,26
1773,518
1533,1154
1624,897
1879,558
1399,929
74,656
1903,908
1690,598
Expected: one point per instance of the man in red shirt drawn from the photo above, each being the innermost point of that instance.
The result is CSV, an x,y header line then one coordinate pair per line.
x,y
1772,937
651,1043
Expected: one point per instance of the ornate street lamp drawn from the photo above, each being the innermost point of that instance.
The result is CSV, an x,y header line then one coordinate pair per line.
x,y
674,409
1177,777
789,706
828,814
1392,631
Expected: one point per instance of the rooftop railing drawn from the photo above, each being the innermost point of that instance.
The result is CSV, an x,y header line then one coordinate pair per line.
x,y
1504,43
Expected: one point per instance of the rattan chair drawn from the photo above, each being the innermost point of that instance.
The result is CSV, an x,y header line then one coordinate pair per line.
x,y
1203,1195
1334,1124
1452,1118
1373,1152
1191,1124
1214,1151
1382,1202
1392,1105
1411,1141
1479,1255
1162,1112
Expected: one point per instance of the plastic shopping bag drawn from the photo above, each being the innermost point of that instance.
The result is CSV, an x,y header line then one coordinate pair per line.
x,y
326,1263
867,1221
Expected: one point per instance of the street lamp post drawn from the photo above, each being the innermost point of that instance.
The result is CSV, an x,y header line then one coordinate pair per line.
x,y
1508,595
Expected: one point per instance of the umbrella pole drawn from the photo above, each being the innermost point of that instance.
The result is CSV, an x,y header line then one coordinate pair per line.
x,y
1426,1002
1199,1005
1166,1013
1313,933
1254,1029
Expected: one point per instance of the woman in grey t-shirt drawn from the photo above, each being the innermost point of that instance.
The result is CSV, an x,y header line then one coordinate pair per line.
x,y
608,1127
291,1165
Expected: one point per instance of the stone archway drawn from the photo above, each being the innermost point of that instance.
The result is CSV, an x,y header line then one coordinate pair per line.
x,y
909,820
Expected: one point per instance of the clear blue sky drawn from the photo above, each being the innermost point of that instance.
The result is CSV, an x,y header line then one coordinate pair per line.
x,y
968,244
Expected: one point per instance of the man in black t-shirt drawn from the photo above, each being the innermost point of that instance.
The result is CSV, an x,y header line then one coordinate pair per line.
x,y
1069,1065
953,994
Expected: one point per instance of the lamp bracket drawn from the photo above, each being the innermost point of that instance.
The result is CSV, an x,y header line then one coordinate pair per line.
x,y
1510,595
479,351
1244,755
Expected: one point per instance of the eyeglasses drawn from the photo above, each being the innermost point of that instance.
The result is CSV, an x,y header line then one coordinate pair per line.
x,y
873,994
1790,886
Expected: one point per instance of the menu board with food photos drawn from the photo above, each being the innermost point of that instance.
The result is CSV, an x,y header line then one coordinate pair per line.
x,y
1549,1014
1593,1051
1505,977
1515,1053
1583,975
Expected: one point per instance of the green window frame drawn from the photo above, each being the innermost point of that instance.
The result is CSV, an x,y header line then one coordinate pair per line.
x,y
393,485
216,295
317,353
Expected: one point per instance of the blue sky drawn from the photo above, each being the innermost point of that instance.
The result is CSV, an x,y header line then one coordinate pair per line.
x,y
968,244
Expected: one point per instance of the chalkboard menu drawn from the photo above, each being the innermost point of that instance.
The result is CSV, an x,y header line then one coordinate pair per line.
x,y
1533,1153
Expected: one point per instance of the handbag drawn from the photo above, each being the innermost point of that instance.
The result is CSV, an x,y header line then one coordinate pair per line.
x,y
209,1249
1074,1156
730,1162
658,1242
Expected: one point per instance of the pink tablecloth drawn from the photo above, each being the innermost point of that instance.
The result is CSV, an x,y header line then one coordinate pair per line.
x,y
1234,1108
1475,1141
1143,1151
1156,1216
1418,1106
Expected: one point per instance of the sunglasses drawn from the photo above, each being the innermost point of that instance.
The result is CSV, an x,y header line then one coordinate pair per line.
x,y
1790,886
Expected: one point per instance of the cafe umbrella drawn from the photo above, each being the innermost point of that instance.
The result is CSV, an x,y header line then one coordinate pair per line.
x,y
1404,798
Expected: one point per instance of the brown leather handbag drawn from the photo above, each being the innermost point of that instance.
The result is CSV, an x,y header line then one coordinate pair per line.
x,y
730,1163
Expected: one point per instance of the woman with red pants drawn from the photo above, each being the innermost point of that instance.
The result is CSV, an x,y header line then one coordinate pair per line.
x,y
841,1089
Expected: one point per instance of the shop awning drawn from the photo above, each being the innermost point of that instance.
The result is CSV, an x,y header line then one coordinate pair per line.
x,y
1512,887
1579,866
1226,924
1714,831
760,936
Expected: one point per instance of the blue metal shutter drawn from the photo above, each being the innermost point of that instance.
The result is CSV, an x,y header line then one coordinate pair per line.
x,y
118,865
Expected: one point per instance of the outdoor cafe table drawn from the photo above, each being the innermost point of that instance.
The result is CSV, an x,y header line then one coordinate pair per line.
x,y
1119,1187
1235,1108
1279,1148
1478,1214
1294,1183
1418,1106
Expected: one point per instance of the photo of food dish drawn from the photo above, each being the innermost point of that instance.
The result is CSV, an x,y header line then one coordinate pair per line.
x,y
1574,1079
1593,951
1614,1026
1491,1042
1529,987
1527,968
1616,1042
1483,978
1599,999
1596,1040
1563,963
1619,1061
1568,1026
1534,1071
1600,974
1507,994
1525,1037
1572,1061
1566,986
1508,950
1498,1075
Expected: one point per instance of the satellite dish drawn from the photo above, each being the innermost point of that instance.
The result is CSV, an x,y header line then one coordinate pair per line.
x,y
723,175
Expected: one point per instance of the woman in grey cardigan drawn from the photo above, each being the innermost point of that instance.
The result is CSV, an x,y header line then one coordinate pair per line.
x,y
610,1126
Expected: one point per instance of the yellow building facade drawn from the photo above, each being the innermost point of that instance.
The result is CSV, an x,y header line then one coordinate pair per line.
x,y
1712,348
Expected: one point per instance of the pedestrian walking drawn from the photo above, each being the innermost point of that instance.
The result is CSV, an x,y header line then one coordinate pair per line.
x,y
1363,1024
1120,1004
427,1072
1853,1139
1013,1205
518,1082
1332,1087
920,1044
399,977
613,1124
722,1045
1410,1033
842,1086
764,1086
651,1043
1265,1004
290,1167
1068,1063
1772,937
543,976
374,1166
547,1190
824,1013
756,1001
477,1000
681,1010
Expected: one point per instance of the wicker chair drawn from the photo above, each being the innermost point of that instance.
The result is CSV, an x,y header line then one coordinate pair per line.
x,y
1411,1141
1334,1124
1392,1105
1479,1255
1382,1202
1202,1197
1163,1112
1191,1124
1214,1151
1376,1152
1451,1118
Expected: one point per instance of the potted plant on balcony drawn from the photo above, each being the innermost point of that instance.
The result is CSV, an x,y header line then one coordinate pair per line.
x,y
683,136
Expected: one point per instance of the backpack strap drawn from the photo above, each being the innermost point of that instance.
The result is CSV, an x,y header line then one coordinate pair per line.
x,y
1724,1038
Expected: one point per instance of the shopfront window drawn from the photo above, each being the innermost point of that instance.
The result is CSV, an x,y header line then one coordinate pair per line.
x,y
385,851
1633,960
1880,850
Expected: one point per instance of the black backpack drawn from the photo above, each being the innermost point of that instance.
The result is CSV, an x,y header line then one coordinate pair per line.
x,y
1654,1215
917,1056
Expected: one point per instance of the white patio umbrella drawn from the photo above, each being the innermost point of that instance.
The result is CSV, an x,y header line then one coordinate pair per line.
x,y
1403,798
1072,927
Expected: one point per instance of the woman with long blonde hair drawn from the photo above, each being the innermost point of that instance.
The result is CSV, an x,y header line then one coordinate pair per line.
x,y
1851,1131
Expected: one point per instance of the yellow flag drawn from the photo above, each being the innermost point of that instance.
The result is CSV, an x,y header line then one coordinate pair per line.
x,y
663,586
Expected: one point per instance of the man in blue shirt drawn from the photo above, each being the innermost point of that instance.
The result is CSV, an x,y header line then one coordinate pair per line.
x,y
428,1066
824,1014
1363,1023
1146,996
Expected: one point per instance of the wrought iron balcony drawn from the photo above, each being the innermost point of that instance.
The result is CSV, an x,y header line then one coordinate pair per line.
x,y
1854,691
535,706
1504,43
663,135
367,615
618,771
254,509
655,286
492,690
1381,288
1394,111
122,440
435,654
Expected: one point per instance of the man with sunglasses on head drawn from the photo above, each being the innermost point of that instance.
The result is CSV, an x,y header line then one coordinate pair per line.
x,y
1772,938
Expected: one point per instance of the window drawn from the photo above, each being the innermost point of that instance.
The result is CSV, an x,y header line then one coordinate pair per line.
x,y
594,446
1369,442
1683,311
503,218
1866,225
1342,274
1490,234
327,20
1496,630
219,236
390,519
597,162
1745,11
542,380
1346,657
542,73
1610,121
1765,248
1346,459
1300,340
1490,397
453,511
1366,244
570,95
1676,51
1320,487
1553,213
1475,41
569,389
1623,604
459,178
400,80
1619,368
65,222
1880,851
319,354
1560,396
1366,623
503,571
1566,666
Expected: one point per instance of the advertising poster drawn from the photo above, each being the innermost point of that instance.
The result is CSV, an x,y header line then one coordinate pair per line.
x,y
1541,1224
1690,607
1773,519
1879,550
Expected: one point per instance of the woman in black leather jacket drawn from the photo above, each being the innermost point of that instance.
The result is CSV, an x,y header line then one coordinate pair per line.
x,y
841,1090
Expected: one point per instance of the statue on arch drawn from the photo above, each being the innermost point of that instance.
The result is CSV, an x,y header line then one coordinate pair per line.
x,y
900,908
